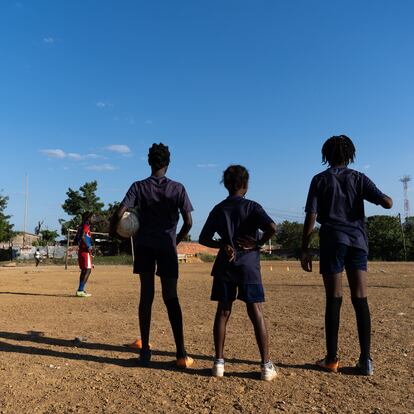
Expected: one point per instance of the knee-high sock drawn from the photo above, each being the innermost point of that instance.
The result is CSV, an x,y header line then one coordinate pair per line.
x,y
363,318
332,316
176,321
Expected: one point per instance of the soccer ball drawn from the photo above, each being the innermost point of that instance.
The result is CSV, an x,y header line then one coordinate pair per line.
x,y
128,225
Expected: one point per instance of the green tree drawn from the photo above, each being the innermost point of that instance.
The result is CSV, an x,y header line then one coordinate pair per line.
x,y
385,238
79,201
48,237
6,229
289,235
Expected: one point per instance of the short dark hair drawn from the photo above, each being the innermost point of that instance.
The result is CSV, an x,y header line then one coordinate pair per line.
x,y
158,156
235,177
338,150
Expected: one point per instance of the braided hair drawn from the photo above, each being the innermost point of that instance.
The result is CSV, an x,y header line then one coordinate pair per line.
x,y
235,177
158,156
338,150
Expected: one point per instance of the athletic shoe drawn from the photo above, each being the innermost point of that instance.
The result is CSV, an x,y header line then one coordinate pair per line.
x,y
365,367
137,344
331,366
144,357
268,371
218,369
82,294
185,362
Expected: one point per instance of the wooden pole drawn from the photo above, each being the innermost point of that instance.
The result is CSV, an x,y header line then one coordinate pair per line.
x,y
67,251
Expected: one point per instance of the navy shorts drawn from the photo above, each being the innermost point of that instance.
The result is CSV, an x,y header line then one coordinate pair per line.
x,y
335,257
223,291
164,260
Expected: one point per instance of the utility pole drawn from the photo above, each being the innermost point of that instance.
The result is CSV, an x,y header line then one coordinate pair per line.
x,y
25,211
403,237
405,180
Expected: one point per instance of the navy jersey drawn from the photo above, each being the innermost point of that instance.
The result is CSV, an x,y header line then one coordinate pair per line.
x,y
237,217
159,201
337,197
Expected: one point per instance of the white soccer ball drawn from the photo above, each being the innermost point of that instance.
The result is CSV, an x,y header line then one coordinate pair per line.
x,y
128,225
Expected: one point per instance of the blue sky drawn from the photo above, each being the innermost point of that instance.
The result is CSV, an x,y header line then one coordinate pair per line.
x,y
87,86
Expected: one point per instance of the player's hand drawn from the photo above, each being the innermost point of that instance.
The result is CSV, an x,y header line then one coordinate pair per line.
x,y
306,260
229,252
247,242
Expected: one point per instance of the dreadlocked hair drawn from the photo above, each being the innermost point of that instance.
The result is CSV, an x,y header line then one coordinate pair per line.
x,y
235,177
338,150
158,156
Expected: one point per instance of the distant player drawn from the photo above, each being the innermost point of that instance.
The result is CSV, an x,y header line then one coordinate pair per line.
x,y
159,201
83,239
37,256
336,200
236,270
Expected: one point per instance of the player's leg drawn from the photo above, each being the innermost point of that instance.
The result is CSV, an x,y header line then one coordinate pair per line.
x,y
253,296
333,302
85,265
144,313
170,297
357,278
219,329
332,259
167,269
255,312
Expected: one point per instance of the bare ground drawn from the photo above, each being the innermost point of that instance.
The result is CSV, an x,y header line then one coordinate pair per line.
x,y
43,370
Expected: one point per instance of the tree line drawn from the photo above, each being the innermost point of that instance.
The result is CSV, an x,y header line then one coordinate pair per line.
x,y
390,239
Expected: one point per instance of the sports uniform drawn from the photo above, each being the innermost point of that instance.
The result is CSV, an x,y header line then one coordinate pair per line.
x,y
233,218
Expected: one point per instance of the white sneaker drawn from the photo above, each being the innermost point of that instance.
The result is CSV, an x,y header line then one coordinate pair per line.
x,y
218,369
82,294
268,371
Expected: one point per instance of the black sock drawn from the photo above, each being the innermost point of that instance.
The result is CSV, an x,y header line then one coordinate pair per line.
x,y
363,318
332,312
176,321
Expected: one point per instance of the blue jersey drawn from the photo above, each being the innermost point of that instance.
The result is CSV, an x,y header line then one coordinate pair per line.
x,y
159,201
337,197
237,217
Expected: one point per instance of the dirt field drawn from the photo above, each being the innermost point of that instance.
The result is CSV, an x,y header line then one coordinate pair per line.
x,y
43,370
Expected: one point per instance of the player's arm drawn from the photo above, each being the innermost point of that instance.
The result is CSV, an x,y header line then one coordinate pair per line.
x,y
186,227
115,219
372,194
86,240
250,243
386,202
305,256
206,238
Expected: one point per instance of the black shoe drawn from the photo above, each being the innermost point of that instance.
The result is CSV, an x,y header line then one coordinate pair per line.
x,y
365,367
144,357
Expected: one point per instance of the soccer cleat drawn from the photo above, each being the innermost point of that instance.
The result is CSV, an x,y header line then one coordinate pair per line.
x,y
218,369
144,357
331,366
82,294
185,362
268,371
137,344
365,367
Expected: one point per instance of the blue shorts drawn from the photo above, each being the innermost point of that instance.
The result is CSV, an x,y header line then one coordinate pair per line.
x,y
165,260
223,291
335,257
